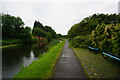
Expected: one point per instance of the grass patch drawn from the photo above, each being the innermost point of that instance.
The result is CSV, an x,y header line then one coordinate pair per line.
x,y
6,46
43,67
10,41
96,66
53,42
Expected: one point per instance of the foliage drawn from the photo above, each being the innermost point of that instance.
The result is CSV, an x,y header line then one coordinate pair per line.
x,y
12,28
48,36
58,36
107,38
39,25
49,29
33,40
11,25
80,41
88,24
41,33
64,36
25,34
38,32
99,30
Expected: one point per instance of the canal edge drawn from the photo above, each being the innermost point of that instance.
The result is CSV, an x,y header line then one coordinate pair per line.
x,y
57,58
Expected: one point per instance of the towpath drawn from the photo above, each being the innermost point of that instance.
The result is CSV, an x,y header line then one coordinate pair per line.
x,y
68,65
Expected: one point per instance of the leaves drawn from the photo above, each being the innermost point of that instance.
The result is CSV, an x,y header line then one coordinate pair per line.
x,y
103,31
43,31
108,40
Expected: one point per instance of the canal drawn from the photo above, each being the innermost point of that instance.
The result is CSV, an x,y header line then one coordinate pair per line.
x,y
14,58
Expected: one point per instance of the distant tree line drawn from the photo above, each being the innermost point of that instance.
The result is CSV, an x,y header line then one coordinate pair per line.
x,y
89,23
43,31
13,28
99,30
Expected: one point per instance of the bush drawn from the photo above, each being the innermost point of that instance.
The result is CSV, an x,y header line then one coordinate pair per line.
x,y
81,41
107,38
33,40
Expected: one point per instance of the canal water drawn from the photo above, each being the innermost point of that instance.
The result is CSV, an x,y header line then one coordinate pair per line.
x,y
14,58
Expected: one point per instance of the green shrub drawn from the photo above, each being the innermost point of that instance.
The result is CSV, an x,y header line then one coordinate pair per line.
x,y
33,40
107,38
80,41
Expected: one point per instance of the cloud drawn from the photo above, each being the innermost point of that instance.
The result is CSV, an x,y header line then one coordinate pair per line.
x,y
57,14
59,0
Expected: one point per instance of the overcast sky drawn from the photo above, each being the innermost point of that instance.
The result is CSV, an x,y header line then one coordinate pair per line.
x,y
59,14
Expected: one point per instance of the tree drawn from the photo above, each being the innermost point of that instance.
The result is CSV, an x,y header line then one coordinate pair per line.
x,y
59,36
25,34
39,25
41,33
49,29
49,36
88,24
11,26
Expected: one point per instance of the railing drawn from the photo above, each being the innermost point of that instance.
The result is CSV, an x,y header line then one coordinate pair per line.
x,y
104,54
95,50
110,55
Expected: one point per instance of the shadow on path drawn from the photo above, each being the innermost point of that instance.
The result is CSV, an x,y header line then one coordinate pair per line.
x,y
68,65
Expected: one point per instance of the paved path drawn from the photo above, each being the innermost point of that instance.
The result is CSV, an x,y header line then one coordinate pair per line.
x,y
68,65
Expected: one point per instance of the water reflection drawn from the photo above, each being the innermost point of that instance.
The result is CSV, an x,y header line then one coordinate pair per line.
x,y
39,50
14,57
29,60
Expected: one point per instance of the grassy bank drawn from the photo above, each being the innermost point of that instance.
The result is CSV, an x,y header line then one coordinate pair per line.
x,y
53,42
10,41
43,67
14,42
96,66
7,46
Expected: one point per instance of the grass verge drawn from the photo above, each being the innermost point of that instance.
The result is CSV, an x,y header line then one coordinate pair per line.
x,y
43,67
96,66
53,42
10,41
6,46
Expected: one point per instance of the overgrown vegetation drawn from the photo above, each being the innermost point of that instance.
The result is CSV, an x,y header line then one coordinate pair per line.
x,y
88,24
99,30
43,67
107,38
